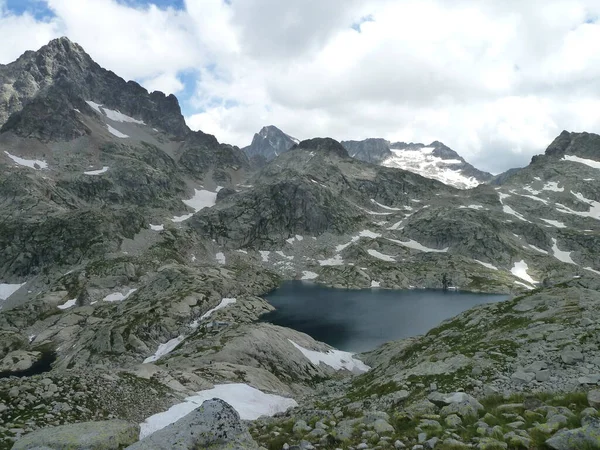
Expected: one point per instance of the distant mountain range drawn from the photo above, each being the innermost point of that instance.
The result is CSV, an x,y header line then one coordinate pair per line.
x,y
436,160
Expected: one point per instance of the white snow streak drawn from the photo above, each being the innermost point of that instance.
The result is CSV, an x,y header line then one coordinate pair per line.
x,y
116,132
97,172
118,297
381,256
416,246
6,290
157,227
224,303
587,162
36,164
555,223
488,265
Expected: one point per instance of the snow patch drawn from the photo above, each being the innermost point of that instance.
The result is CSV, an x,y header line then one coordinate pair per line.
x,y
264,254
116,132
118,297
525,285
385,207
178,219
220,257
97,172
308,275
335,261
378,255
336,359
423,162
224,303
537,249
520,270
68,304
157,227
416,246
488,265
594,211
95,106
508,210
250,403
592,270
560,254
118,116
555,223
6,290
552,186
587,162
36,164
375,284
201,199
165,349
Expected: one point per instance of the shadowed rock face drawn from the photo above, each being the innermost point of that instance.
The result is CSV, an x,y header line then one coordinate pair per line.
x,y
61,72
584,145
215,425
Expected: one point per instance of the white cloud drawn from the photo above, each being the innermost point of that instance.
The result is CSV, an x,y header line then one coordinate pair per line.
x,y
496,81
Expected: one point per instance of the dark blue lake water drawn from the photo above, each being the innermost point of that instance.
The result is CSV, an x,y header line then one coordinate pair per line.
x,y
360,320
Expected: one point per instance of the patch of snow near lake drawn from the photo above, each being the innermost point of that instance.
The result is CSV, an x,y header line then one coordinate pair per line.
x,y
36,164
520,270
560,254
555,223
488,265
201,199
375,284
416,246
336,359
587,162
385,207
224,303
68,304
538,249
364,233
525,285
157,227
118,297
308,275
97,172
552,186
116,132
381,256
220,257
335,261
165,349
264,254
423,162
250,404
6,290
592,270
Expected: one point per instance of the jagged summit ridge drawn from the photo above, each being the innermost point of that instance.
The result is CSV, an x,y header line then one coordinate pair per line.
x,y
269,143
63,72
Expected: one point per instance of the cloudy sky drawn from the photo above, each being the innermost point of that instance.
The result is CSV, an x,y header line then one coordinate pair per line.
x,y
496,80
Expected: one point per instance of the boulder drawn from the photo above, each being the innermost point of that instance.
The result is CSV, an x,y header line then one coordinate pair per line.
x,y
19,361
593,398
588,436
215,425
106,435
571,356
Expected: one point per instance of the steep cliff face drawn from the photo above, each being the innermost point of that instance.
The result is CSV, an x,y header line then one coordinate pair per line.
x,y
267,144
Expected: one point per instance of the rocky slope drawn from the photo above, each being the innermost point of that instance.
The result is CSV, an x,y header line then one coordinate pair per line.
x,y
267,144
135,253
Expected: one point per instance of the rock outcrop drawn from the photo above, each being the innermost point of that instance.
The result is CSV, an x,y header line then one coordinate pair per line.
x,y
214,425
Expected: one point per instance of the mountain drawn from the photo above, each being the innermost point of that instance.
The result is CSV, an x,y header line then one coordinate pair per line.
x,y
267,144
135,254
435,160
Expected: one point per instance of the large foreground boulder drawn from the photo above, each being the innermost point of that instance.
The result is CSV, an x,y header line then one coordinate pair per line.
x,y
106,435
215,425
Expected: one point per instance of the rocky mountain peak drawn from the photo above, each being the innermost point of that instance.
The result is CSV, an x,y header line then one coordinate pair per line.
x,y
269,143
584,145
62,69
324,145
